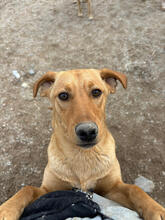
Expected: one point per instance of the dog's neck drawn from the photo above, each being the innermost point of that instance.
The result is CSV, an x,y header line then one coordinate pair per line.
x,y
78,166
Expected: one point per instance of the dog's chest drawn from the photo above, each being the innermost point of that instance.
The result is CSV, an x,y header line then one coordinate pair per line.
x,y
82,170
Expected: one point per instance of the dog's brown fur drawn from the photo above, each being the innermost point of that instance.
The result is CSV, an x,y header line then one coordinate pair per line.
x,y
70,165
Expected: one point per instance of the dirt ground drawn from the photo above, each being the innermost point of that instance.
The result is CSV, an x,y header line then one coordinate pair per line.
x,y
125,35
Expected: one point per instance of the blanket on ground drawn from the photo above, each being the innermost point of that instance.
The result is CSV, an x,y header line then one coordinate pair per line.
x,y
61,205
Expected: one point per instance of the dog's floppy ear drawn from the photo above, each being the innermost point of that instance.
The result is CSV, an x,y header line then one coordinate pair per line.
x,y
111,78
46,81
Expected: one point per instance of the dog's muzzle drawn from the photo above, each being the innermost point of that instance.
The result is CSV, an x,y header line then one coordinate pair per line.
x,y
87,133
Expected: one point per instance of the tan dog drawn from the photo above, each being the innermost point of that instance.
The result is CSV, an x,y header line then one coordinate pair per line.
x,y
89,8
81,152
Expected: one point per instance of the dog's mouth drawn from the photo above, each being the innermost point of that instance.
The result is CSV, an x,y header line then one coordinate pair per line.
x,y
87,145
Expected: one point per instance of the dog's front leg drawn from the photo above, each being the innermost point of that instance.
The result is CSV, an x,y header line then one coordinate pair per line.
x,y
13,208
80,14
136,199
90,10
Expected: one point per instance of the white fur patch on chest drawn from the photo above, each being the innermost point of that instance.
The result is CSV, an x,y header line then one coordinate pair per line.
x,y
81,170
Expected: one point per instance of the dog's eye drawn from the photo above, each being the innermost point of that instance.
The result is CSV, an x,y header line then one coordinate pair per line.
x,y
64,96
96,93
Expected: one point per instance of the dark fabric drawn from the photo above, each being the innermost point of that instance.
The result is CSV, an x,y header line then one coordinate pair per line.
x,y
60,205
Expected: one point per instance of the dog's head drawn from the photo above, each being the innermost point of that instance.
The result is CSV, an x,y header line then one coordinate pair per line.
x,y
78,100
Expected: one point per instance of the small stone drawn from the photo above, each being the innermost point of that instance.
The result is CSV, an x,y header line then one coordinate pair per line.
x,y
31,72
8,163
145,184
163,172
24,85
16,74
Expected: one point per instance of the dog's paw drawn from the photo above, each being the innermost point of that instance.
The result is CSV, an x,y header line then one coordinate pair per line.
x,y
90,17
156,213
8,214
5,215
80,14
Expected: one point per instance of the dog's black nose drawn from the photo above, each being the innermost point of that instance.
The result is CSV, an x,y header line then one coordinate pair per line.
x,y
86,131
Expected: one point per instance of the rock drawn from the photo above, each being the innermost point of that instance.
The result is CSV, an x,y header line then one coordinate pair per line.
x,y
121,213
112,210
24,85
145,184
76,218
16,74
31,72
